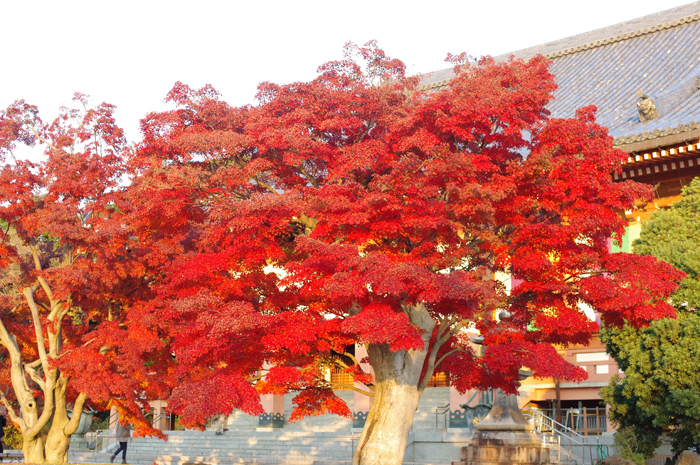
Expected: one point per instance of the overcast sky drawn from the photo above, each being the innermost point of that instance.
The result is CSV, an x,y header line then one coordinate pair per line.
x,y
130,53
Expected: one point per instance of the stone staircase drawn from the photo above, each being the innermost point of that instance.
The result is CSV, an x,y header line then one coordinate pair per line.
x,y
320,440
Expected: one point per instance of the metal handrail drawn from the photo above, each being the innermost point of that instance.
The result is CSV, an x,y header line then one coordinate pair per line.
x,y
103,433
441,410
157,418
572,437
551,422
550,440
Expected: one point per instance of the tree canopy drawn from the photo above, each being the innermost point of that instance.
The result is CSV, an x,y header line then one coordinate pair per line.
x,y
68,279
660,391
241,250
356,208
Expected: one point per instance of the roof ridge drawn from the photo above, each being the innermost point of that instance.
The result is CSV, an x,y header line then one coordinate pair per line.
x,y
625,36
655,134
532,51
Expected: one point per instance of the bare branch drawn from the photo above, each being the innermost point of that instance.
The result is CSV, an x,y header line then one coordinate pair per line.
x,y
35,254
264,185
38,136
363,134
369,393
352,357
446,330
254,378
34,376
74,422
453,351
11,413
308,177
29,296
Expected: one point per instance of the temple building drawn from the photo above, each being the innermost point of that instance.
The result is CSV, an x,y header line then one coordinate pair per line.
x,y
643,76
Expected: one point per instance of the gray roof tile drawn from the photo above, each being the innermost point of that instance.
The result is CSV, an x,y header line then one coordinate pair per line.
x,y
659,54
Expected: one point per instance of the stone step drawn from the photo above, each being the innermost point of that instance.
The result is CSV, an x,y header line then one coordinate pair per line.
x,y
320,440
188,460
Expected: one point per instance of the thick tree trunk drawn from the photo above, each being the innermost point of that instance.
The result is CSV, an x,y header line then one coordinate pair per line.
x,y
33,448
57,442
384,438
62,427
396,395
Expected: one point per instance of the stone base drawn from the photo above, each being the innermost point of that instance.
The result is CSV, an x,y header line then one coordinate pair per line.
x,y
504,447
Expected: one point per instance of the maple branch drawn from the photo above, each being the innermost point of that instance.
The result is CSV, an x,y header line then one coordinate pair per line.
x,y
57,315
78,131
361,136
352,357
8,342
38,136
45,287
67,253
444,356
34,376
338,361
264,184
353,388
11,412
308,177
74,422
37,266
48,411
445,331
29,296
453,331
35,255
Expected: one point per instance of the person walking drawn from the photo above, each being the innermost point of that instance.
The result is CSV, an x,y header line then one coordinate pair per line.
x,y
223,423
123,435
3,424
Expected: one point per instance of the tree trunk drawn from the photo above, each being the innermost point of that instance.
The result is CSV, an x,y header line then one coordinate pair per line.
x,y
33,448
396,395
57,442
62,427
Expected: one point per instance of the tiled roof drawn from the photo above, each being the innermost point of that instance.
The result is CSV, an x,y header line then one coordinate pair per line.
x,y
658,54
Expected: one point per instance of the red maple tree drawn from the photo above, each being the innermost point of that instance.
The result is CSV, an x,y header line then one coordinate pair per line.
x,y
68,280
355,208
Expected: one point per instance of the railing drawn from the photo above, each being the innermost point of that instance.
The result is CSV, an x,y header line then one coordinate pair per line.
x,y
587,421
551,442
657,460
163,417
591,449
100,440
442,410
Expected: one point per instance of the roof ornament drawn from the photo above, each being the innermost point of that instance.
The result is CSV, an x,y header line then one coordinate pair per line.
x,y
646,107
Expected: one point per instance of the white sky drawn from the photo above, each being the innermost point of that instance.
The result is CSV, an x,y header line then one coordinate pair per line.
x,y
130,53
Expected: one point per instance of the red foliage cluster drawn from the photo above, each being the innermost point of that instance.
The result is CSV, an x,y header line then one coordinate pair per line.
x,y
68,275
292,229
332,212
